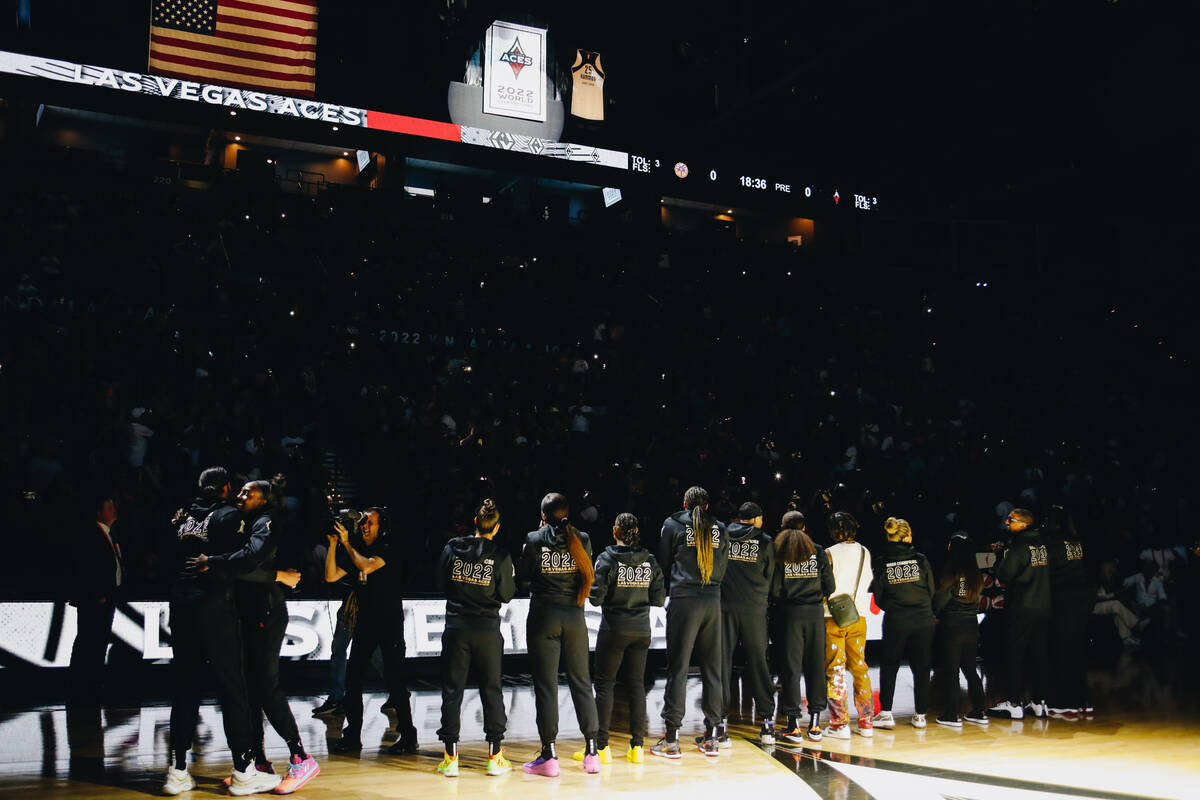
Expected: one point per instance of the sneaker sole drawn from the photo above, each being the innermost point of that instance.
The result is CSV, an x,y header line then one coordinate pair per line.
x,y
955,725
981,723
869,733
672,756
172,791
253,790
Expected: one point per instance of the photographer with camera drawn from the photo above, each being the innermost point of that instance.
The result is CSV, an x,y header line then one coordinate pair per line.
x,y
378,623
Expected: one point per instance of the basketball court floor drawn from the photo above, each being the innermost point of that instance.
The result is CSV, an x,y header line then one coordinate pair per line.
x,y
1144,741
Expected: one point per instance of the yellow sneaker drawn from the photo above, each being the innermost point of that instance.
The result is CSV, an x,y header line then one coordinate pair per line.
x,y
498,764
634,755
605,755
449,766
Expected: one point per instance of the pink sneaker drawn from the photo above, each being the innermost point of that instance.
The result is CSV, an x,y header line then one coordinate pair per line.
x,y
591,764
299,773
544,766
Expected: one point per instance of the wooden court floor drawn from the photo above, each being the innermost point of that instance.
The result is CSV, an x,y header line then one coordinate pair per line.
x,y
1144,741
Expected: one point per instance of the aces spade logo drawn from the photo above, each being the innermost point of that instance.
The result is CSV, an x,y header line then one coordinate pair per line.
x,y
516,58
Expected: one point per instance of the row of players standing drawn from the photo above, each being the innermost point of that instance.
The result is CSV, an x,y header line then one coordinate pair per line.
x,y
722,580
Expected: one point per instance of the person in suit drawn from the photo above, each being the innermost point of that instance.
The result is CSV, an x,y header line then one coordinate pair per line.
x,y
98,577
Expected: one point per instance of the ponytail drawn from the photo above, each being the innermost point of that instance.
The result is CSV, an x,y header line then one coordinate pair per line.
x,y
587,572
552,504
696,499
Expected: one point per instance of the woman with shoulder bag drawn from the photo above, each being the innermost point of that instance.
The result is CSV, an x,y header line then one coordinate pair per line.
x,y
846,628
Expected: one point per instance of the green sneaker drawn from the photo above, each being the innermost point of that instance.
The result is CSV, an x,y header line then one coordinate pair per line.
x,y
449,766
497,764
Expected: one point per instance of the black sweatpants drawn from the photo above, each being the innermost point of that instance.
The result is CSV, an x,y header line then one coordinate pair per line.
x,y
470,643
693,623
958,646
379,626
264,617
1068,652
93,628
206,641
1025,657
802,628
749,626
558,634
617,650
904,640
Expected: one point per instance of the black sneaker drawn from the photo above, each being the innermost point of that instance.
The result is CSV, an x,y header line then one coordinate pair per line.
x,y
710,748
330,707
949,721
793,735
666,749
976,717
406,745
347,745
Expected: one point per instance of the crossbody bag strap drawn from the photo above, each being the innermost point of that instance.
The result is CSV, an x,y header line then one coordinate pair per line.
x,y
862,557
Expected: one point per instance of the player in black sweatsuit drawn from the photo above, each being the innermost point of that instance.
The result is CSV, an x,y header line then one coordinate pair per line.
x,y
205,636
476,576
693,620
1072,597
903,588
956,605
744,594
263,614
798,590
628,581
1024,569
555,628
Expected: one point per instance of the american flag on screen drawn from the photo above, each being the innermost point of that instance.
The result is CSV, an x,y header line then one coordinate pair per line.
x,y
252,44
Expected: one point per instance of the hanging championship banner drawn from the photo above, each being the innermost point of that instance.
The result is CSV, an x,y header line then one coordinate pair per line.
x,y
514,71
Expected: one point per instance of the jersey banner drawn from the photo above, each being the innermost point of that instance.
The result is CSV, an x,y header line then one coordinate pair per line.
x,y
41,634
514,71
587,86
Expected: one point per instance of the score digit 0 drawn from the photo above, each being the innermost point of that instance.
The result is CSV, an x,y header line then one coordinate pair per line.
x,y
712,175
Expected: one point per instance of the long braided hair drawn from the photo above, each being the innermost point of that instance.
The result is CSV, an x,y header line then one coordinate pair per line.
x,y
696,499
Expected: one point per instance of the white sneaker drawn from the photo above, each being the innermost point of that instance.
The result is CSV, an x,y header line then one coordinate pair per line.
x,y
838,732
1007,709
252,781
1036,710
883,719
918,721
178,781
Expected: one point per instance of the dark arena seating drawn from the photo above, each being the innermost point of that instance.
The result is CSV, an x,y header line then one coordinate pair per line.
x,y
751,278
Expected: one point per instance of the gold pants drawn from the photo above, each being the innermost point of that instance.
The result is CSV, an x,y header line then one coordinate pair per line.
x,y
845,650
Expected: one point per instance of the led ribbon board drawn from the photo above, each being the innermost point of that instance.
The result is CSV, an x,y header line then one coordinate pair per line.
x,y
299,108
41,634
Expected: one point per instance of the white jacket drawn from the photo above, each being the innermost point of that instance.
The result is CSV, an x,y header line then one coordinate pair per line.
x,y
845,569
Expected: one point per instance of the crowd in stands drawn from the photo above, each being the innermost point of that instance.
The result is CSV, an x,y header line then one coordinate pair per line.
x,y
436,355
